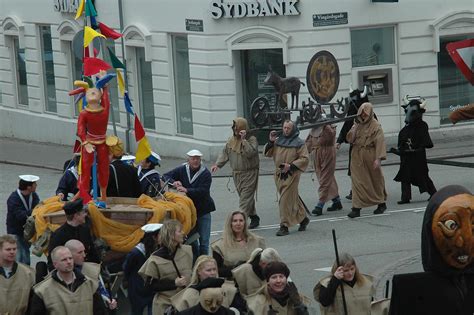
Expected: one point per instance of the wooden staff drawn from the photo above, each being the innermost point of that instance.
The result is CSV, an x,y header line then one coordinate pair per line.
x,y
337,262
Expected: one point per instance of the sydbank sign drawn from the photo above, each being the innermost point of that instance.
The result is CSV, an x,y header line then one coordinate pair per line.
x,y
252,8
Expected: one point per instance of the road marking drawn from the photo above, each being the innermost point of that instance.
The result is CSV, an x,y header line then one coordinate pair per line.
x,y
326,269
334,219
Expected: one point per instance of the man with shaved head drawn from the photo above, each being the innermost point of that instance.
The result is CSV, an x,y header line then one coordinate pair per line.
x,y
53,295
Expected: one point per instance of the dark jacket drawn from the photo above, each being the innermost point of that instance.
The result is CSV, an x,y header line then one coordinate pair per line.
x,y
149,182
68,232
17,213
198,190
68,183
123,180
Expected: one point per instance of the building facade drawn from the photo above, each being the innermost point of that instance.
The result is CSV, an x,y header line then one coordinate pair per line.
x,y
194,65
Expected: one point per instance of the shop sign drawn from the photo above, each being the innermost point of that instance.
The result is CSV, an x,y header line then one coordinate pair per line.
x,y
66,6
252,8
330,19
194,25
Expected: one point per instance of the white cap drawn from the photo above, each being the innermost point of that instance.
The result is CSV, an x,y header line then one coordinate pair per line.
x,y
151,227
194,152
128,158
29,178
155,158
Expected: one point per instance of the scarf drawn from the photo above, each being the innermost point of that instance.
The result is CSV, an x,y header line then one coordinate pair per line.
x,y
291,141
281,297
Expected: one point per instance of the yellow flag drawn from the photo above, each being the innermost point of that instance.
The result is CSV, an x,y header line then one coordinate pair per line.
x,y
79,105
89,35
120,82
80,9
143,150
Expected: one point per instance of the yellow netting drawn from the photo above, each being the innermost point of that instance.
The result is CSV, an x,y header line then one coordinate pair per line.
x,y
119,236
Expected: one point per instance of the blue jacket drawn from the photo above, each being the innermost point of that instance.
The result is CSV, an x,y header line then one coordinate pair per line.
x,y
136,286
199,190
68,183
17,213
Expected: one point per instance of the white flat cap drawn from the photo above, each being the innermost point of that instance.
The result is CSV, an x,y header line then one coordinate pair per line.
x,y
194,152
128,158
151,227
29,178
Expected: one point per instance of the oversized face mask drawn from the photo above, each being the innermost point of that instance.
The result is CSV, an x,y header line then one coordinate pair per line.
x,y
93,95
211,299
452,228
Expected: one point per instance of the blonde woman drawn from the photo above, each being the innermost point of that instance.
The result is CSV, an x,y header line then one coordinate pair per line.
x,y
167,271
236,244
206,267
358,289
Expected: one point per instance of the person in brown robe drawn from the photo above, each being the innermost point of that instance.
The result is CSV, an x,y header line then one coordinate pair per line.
x,y
291,159
321,140
368,184
241,151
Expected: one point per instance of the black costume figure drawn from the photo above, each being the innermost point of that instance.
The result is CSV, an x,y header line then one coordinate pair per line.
x,y
441,289
413,140
123,180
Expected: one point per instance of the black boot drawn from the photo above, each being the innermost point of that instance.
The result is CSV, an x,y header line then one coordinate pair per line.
x,y
355,213
303,224
380,208
317,211
254,221
335,206
282,231
349,196
402,202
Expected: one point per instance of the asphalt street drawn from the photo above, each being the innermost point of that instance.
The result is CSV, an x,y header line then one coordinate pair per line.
x,y
381,244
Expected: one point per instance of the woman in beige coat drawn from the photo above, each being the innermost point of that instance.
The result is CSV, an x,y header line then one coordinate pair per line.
x,y
236,244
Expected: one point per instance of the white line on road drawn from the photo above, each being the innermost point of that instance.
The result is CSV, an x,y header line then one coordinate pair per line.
x,y
327,269
334,219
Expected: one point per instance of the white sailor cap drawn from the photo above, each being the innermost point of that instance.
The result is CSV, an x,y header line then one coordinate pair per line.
x,y
127,158
155,158
29,178
194,152
151,227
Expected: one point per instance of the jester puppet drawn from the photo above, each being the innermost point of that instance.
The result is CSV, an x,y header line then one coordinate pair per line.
x,y
447,247
91,129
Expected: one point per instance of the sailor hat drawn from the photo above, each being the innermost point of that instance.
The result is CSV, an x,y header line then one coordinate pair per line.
x,y
151,227
194,152
29,178
154,158
128,157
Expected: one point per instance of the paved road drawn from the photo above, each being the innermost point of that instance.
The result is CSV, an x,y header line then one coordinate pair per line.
x,y
382,245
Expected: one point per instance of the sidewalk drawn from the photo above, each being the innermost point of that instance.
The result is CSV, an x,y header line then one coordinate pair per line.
x,y
53,156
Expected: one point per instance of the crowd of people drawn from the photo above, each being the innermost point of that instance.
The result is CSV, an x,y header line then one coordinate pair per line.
x,y
167,276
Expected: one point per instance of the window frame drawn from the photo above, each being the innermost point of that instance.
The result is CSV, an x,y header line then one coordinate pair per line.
x,y
394,32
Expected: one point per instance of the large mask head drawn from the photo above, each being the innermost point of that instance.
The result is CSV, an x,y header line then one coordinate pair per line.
x,y
452,230
414,109
447,234
93,96
211,299
239,124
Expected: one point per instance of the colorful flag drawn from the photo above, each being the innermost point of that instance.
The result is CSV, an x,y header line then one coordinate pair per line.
x,y
80,9
108,32
139,131
120,82
90,10
94,65
128,104
116,63
143,150
89,35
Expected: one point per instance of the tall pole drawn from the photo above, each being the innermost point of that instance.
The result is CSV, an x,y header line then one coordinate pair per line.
x,y
127,131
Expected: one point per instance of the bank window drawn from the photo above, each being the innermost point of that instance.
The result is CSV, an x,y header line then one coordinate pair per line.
x,y
113,88
182,86
20,67
145,88
48,68
373,46
455,90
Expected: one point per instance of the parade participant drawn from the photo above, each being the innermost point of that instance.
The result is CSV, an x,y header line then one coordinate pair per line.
x,y
249,276
356,98
74,228
16,279
211,298
358,289
68,182
66,291
291,159
89,269
194,179
236,244
138,296
368,151
241,151
278,296
447,285
413,140
123,178
150,179
91,129
204,268
167,271
20,204
321,141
